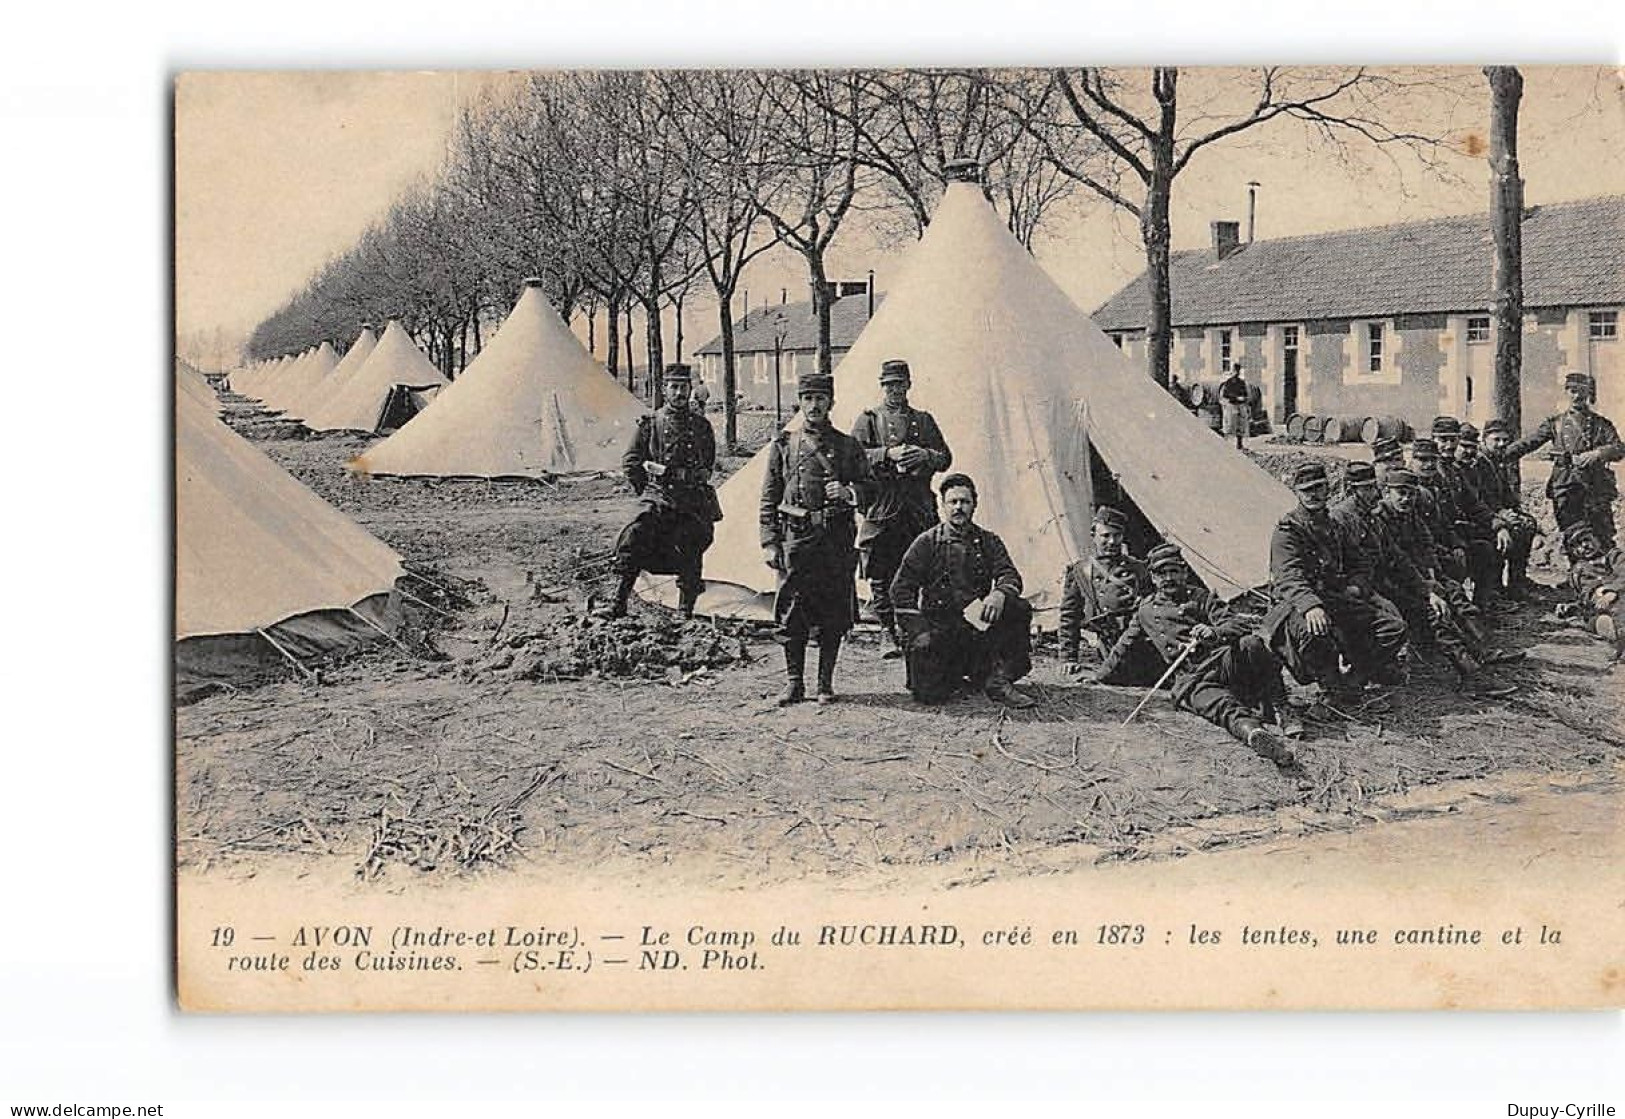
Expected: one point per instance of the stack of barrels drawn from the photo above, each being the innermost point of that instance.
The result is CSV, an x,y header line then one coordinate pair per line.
x,y
1346,429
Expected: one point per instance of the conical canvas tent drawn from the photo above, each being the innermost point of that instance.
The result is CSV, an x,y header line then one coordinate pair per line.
x,y
532,404
349,365
1022,382
192,384
280,390
372,399
308,387
264,569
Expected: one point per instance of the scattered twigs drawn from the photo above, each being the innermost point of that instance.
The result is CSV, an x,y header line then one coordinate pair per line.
x,y
633,772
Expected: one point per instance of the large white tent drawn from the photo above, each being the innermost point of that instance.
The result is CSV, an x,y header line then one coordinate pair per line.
x,y
264,569
532,403
369,398
1022,382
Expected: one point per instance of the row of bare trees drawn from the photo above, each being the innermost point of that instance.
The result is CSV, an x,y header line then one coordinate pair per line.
x,y
633,191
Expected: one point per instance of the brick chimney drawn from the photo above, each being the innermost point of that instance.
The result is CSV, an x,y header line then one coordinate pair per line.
x,y
1226,238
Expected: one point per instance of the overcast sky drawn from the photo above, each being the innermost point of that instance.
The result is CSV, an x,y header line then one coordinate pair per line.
x,y
276,172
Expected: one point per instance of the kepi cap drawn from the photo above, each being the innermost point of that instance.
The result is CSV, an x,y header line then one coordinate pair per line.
x,y
1110,517
816,382
1165,556
894,370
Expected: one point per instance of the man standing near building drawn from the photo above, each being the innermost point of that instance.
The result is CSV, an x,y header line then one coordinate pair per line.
x,y
959,605
1235,399
905,448
1319,605
816,478
1585,445
1222,670
1098,596
669,463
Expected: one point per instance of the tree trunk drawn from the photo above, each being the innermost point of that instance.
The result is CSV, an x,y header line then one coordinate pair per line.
x,y
1506,219
1155,232
820,302
631,365
592,331
730,418
612,343
654,347
679,310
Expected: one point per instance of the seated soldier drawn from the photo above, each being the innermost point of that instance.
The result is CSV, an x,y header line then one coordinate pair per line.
x,y
1222,670
1475,521
1515,529
1320,607
952,573
1597,577
1375,560
1098,595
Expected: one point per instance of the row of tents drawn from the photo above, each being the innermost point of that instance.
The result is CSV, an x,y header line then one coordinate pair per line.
x,y
1023,384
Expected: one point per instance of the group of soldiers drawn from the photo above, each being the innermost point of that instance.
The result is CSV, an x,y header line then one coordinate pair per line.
x,y
1409,561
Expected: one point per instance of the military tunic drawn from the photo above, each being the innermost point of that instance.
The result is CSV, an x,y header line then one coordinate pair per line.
x,y
1310,566
903,505
943,571
1235,677
1099,594
1578,493
676,521
815,538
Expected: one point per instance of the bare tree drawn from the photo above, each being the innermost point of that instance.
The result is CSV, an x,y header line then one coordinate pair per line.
x,y
723,120
1139,131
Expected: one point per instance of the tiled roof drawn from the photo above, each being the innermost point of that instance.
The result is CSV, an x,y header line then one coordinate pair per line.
x,y
847,318
1573,255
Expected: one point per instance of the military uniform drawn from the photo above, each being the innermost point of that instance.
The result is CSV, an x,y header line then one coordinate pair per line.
x,y
903,505
1490,477
1099,593
1234,681
1597,577
815,539
1236,402
944,570
1312,566
1474,521
1580,489
678,508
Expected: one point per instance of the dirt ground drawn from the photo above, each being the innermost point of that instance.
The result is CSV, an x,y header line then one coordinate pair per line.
x,y
510,725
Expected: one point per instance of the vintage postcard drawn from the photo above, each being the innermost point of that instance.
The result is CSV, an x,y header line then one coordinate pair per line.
x,y
899,539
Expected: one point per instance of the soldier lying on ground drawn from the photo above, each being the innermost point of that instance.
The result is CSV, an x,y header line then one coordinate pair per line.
x,y
1597,577
1222,669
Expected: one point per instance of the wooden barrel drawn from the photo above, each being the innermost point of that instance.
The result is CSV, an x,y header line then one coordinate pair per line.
x,y
1384,427
1200,394
1294,427
1342,429
1312,426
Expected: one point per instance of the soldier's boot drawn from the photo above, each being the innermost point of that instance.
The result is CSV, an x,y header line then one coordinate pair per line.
x,y
829,651
1266,742
795,667
685,602
623,595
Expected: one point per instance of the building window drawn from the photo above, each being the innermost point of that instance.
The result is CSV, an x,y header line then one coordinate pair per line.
x,y
762,376
1373,347
1289,337
1478,329
1226,342
1604,326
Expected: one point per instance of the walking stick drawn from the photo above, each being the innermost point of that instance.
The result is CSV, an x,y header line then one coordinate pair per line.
x,y
1190,647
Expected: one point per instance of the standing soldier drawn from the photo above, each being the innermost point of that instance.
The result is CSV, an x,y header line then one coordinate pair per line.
x,y
1515,529
905,448
1098,596
816,477
669,463
1319,605
1237,404
1584,447
1223,671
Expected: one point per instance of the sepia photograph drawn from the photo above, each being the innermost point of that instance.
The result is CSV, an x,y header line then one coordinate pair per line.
x,y
1055,537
